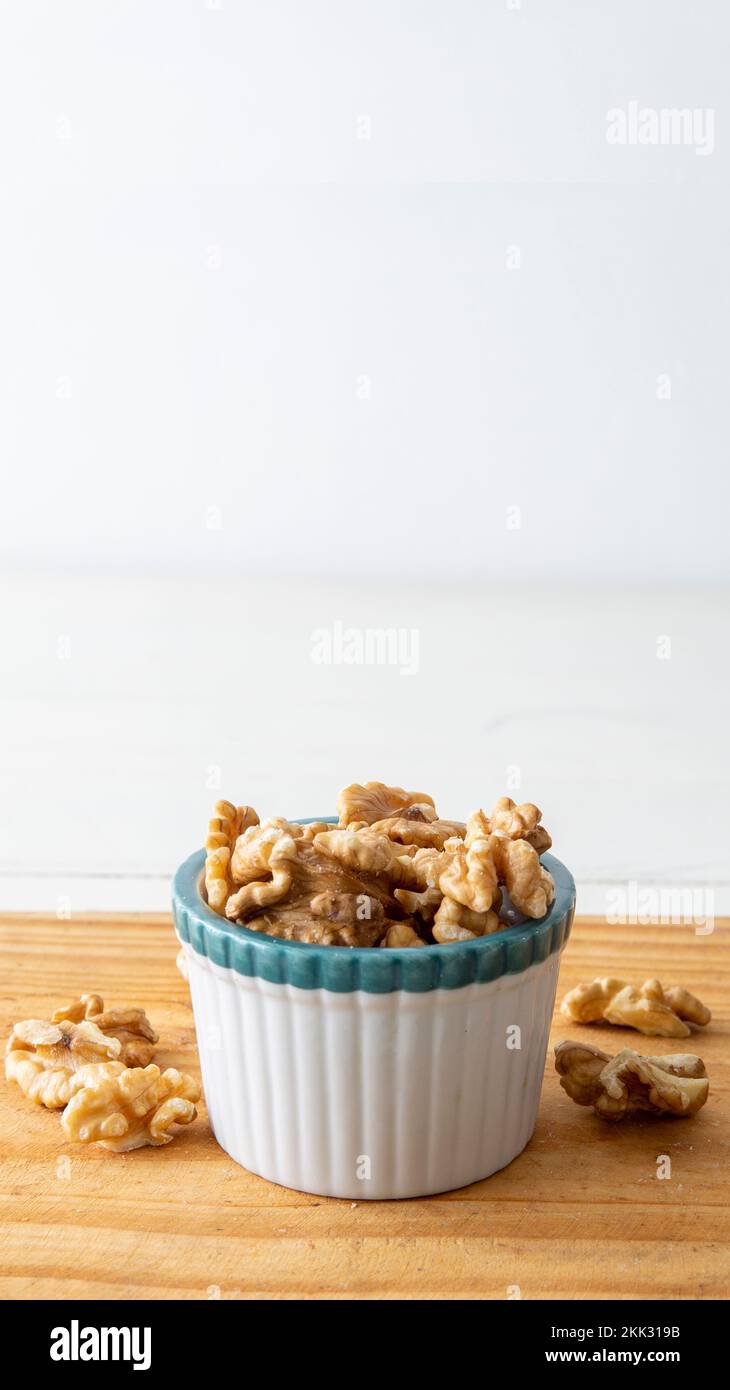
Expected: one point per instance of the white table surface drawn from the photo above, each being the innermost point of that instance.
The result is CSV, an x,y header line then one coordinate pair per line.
x,y
128,707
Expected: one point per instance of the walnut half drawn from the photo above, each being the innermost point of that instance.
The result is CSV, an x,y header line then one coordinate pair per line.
x,y
131,1026
530,886
227,824
375,800
649,1009
520,823
261,866
622,1085
43,1058
470,876
454,922
400,934
367,852
138,1106
423,833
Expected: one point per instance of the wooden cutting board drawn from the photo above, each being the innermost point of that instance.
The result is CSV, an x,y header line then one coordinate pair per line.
x,y
580,1214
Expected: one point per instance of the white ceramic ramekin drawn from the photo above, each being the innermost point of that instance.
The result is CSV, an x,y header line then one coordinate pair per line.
x,y
371,1073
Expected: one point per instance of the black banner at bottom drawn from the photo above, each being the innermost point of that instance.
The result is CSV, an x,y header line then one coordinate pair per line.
x,y
190,1337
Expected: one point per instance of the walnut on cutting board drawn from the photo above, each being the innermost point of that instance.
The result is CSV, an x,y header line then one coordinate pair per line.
x,y
628,1083
131,1026
69,1064
136,1107
43,1058
649,1008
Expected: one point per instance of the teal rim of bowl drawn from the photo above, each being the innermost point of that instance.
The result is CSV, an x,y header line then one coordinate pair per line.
x,y
344,969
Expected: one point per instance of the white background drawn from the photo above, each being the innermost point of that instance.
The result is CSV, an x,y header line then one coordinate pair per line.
x,y
259,374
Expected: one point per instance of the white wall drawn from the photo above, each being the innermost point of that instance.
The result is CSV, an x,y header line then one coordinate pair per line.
x,y
259,375
128,706
220,304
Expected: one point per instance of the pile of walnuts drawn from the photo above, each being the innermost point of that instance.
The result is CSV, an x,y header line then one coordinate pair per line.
x,y
95,1065
392,873
630,1083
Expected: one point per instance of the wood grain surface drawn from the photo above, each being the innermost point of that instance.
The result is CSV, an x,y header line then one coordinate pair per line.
x,y
580,1214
